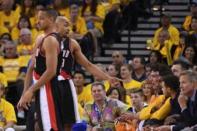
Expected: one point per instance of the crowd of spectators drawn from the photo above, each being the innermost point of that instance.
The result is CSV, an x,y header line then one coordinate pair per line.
x,y
158,94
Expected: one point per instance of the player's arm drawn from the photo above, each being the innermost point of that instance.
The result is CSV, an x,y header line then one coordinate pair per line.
x,y
50,47
82,60
29,74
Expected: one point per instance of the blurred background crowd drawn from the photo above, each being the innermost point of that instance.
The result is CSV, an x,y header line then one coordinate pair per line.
x,y
158,91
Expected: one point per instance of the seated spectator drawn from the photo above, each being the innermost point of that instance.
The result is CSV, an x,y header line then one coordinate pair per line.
x,y
148,92
111,70
189,55
137,101
94,13
14,68
103,111
156,112
87,40
23,22
170,87
25,46
78,24
117,93
111,23
166,25
193,26
84,96
128,81
155,57
188,19
7,113
138,65
138,104
187,101
27,8
155,77
117,59
178,49
179,66
164,46
148,69
61,6
8,16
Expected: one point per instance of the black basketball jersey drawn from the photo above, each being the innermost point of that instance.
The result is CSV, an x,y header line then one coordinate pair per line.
x,y
66,58
40,65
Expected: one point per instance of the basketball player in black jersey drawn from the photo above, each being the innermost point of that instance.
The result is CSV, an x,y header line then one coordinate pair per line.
x,y
43,68
71,50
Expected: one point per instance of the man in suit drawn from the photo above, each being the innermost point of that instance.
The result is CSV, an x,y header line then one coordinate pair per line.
x,y
187,101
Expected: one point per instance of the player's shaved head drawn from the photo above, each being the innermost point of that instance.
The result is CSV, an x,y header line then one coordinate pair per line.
x,y
62,19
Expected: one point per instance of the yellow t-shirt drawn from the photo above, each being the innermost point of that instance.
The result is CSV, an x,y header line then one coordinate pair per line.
x,y
64,12
187,23
3,80
100,12
85,96
10,20
107,85
11,67
3,30
173,32
7,112
163,108
80,24
81,110
132,84
166,51
23,49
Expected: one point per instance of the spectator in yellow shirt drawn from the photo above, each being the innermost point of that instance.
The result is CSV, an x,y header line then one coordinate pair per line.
x,y
128,82
14,68
188,19
94,14
25,46
148,92
23,22
61,6
164,46
27,8
84,96
8,16
78,23
166,25
7,113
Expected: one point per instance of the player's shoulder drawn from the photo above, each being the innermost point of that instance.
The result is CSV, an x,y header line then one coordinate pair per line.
x,y
74,43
